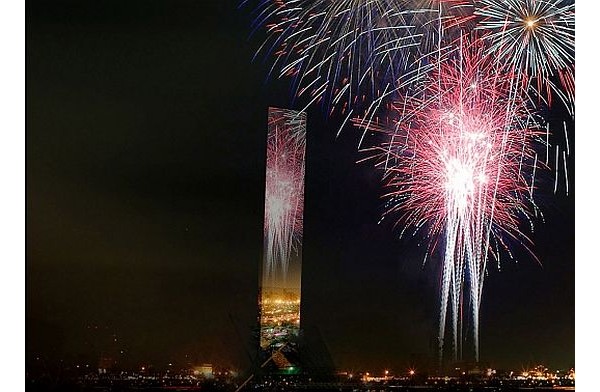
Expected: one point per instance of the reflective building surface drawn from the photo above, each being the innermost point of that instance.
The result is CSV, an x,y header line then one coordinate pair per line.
x,y
280,280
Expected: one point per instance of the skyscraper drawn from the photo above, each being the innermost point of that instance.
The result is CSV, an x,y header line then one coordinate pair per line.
x,y
279,302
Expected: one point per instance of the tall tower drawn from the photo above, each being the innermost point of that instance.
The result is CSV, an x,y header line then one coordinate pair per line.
x,y
279,301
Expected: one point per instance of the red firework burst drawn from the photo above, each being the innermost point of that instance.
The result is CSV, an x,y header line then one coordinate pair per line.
x,y
467,141
461,163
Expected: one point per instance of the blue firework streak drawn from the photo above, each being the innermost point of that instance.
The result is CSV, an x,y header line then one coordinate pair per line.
x,y
344,54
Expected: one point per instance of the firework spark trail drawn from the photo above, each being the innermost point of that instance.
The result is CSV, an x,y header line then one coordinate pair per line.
x,y
536,37
566,172
340,51
438,22
454,166
547,141
284,193
566,137
556,170
344,53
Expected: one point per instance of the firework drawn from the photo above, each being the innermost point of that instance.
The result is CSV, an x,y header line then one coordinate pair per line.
x,y
284,192
537,37
355,56
460,165
345,53
461,162
439,23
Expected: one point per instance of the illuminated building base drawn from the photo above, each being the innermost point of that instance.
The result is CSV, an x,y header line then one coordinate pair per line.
x,y
280,329
280,317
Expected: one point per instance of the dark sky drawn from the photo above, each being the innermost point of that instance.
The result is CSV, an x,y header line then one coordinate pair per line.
x,y
146,132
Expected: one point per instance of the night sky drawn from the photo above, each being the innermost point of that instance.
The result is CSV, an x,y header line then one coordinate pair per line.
x,y
146,141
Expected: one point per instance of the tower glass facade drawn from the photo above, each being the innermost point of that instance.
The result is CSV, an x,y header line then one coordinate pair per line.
x,y
280,279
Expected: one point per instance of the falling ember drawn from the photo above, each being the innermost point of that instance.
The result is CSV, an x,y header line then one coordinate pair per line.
x,y
556,155
566,172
